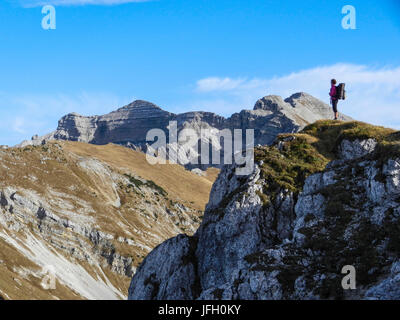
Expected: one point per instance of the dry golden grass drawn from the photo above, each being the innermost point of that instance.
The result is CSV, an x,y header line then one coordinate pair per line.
x,y
212,174
181,184
330,133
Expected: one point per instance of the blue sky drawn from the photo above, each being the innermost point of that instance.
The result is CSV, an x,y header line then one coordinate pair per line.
x,y
212,55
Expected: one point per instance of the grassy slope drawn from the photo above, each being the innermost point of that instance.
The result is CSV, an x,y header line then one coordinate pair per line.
x,y
177,181
313,148
53,172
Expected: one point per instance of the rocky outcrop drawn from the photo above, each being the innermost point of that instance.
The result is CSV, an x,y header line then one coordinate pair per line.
x,y
316,202
356,149
172,260
129,125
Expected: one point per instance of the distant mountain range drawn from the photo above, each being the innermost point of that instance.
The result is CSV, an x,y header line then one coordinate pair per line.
x,y
129,125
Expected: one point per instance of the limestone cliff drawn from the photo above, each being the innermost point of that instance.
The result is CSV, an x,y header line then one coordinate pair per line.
x,y
318,200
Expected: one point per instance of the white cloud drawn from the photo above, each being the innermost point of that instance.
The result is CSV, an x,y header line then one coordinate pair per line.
x,y
228,84
35,3
373,94
18,125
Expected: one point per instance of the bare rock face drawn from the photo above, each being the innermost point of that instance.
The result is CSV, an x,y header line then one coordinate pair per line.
x,y
311,109
173,260
389,288
287,230
129,125
357,148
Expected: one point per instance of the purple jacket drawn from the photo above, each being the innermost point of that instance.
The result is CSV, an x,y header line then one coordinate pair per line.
x,y
332,93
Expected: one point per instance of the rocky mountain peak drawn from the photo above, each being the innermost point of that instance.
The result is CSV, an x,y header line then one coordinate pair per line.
x,y
74,114
139,104
302,99
270,103
299,95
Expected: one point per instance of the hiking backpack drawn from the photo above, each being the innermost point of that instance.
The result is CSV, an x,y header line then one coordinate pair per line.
x,y
340,91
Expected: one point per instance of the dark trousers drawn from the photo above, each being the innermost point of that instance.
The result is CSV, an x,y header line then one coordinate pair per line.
x,y
334,104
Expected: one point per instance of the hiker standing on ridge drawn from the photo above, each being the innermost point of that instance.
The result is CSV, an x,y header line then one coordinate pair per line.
x,y
334,98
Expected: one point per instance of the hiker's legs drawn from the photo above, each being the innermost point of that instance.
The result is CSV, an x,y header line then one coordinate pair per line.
x,y
334,106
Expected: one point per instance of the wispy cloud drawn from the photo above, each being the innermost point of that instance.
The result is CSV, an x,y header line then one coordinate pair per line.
x,y
373,93
22,116
228,84
18,125
36,3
